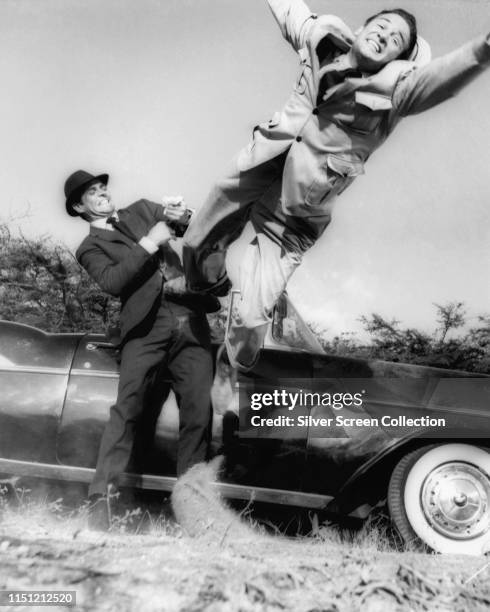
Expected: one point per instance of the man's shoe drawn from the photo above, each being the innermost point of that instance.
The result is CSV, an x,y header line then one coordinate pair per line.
x,y
223,390
220,288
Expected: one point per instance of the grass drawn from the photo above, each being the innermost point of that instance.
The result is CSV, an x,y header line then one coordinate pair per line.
x,y
41,514
323,565
377,533
38,509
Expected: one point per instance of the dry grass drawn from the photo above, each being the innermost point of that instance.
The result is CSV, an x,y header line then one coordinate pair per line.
x,y
37,512
148,563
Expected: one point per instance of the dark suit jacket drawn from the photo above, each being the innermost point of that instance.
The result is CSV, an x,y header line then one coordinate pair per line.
x,y
123,268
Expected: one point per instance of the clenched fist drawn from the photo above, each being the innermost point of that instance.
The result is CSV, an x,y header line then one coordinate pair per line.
x,y
160,233
175,209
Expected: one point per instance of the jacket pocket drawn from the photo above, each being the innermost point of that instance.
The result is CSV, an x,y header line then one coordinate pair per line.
x,y
334,176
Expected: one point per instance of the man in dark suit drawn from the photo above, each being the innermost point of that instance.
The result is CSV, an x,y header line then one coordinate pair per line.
x,y
129,254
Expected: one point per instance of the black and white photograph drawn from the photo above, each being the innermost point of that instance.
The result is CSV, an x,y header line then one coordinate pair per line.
x,y
244,305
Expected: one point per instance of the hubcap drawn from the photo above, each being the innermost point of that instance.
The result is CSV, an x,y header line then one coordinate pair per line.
x,y
455,499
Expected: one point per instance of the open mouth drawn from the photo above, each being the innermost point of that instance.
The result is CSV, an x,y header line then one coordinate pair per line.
x,y
374,45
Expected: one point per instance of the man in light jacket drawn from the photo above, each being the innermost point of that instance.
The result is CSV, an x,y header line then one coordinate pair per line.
x,y
351,92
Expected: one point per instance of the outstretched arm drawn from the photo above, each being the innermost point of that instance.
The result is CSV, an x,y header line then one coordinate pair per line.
x,y
442,78
294,19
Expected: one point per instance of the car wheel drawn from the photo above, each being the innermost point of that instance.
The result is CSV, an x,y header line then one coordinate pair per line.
x,y
439,496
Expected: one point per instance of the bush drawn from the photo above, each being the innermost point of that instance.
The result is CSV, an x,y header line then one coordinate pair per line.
x,y
391,342
41,284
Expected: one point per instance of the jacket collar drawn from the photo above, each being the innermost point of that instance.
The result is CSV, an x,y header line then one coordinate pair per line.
x,y
378,88
333,28
109,235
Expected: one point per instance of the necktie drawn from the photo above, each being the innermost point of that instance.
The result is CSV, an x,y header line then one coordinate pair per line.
x,y
122,227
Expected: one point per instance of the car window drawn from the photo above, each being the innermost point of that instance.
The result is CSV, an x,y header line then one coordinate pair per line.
x,y
25,346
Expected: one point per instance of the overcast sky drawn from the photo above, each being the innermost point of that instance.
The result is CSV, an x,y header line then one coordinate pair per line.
x,y
162,93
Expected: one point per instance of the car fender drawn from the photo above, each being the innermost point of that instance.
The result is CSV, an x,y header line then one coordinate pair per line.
x,y
369,483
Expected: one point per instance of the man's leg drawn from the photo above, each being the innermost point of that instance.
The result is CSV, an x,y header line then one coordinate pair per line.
x,y
158,390
264,273
221,220
140,356
191,368
266,267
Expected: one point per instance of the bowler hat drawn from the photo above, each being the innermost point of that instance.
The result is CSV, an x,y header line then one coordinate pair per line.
x,y
76,184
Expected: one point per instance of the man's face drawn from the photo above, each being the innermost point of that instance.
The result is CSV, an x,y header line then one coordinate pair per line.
x,y
95,201
380,41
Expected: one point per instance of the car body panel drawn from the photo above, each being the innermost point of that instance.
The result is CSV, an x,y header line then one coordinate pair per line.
x,y
57,389
34,369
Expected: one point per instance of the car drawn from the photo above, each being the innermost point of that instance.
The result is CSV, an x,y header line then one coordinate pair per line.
x,y
348,447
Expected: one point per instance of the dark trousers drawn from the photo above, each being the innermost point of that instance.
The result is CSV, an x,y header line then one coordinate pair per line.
x,y
179,339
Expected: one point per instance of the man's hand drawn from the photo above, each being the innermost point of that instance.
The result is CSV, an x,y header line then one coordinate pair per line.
x,y
175,209
160,233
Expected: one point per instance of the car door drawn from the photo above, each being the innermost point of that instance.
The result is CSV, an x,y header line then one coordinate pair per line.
x,y
91,391
260,448
334,451
34,369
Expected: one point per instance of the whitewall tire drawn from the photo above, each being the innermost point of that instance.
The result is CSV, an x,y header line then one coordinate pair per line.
x,y
439,495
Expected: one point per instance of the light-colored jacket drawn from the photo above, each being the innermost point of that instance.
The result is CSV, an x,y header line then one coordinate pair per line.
x,y
329,142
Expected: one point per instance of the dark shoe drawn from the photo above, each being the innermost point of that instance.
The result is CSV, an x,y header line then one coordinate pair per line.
x,y
221,288
176,290
223,396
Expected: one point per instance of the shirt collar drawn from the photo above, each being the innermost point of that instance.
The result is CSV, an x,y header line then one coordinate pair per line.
x,y
102,223
341,64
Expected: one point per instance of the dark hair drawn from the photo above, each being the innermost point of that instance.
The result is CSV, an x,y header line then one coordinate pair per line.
x,y
412,25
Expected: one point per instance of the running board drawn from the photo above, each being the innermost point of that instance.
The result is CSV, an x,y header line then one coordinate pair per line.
x,y
164,483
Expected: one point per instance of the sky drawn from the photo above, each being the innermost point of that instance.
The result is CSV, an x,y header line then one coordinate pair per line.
x,y
161,94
